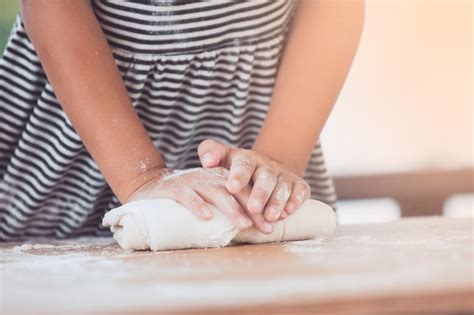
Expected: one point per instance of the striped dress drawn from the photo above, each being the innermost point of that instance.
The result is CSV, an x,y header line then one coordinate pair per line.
x,y
193,69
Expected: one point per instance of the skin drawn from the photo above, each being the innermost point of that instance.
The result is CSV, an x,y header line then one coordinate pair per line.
x,y
244,184
275,188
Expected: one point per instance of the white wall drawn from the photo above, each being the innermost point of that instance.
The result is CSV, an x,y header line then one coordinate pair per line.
x,y
407,103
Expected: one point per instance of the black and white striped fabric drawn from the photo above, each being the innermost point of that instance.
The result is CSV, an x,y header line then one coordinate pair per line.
x,y
193,69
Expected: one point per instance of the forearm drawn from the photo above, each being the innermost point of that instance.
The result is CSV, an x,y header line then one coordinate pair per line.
x,y
79,64
318,56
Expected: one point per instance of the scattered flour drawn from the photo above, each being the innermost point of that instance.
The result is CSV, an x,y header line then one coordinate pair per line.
x,y
23,248
306,246
79,243
63,277
28,247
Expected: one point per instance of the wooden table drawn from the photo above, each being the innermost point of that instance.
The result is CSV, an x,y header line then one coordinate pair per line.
x,y
416,265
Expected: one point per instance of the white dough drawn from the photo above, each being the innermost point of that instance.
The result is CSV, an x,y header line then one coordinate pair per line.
x,y
163,224
312,219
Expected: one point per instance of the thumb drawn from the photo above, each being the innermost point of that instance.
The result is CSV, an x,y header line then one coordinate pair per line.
x,y
213,153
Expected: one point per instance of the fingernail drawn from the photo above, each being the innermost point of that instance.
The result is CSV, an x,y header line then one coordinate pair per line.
x,y
234,184
257,205
268,227
300,196
207,159
207,213
290,207
244,222
274,213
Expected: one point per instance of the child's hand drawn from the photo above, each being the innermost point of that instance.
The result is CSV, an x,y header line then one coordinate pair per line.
x,y
200,190
276,191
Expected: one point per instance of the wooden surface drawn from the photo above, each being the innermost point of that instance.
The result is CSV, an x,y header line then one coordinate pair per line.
x,y
414,266
417,192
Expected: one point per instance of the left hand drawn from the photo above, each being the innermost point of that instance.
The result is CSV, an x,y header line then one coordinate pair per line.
x,y
276,191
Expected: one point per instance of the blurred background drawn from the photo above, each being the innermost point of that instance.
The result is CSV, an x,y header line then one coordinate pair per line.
x,y
400,139
8,12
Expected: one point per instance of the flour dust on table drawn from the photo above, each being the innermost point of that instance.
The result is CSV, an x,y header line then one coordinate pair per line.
x,y
164,224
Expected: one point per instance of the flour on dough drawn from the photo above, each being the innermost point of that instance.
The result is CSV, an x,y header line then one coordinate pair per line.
x,y
163,224
312,219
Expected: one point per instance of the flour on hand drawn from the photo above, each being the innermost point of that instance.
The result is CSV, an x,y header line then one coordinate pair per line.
x,y
164,224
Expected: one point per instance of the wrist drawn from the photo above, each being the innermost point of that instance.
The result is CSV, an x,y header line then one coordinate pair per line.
x,y
153,174
129,188
146,170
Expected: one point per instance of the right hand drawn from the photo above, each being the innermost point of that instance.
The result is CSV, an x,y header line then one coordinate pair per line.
x,y
202,190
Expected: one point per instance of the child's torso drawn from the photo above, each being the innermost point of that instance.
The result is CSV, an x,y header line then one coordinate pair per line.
x,y
178,27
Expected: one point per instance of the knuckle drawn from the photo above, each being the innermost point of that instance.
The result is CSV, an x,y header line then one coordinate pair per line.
x,y
286,178
242,162
234,212
206,143
262,192
266,179
282,192
272,179
198,205
231,207
274,164
213,189
266,173
194,202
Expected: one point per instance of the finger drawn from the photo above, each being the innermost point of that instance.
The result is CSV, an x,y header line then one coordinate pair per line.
x,y
257,218
194,202
300,192
242,166
229,206
278,200
212,153
265,181
283,215
261,223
